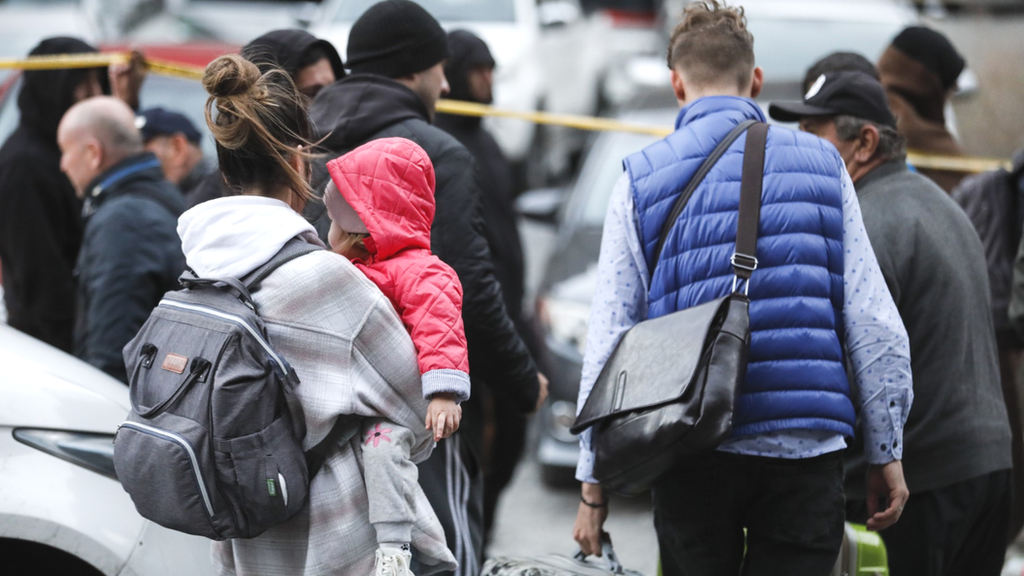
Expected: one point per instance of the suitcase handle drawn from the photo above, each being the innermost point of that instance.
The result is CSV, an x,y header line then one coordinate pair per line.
x,y
607,552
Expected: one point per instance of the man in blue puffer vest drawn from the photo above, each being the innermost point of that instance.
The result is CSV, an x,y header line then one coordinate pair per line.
x,y
818,300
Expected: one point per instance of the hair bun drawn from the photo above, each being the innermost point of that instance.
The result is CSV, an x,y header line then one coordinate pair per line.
x,y
230,75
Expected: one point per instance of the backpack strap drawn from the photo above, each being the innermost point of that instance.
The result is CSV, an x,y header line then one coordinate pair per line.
x,y
290,251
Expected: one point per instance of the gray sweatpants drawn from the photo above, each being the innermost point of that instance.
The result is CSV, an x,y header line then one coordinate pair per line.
x,y
390,478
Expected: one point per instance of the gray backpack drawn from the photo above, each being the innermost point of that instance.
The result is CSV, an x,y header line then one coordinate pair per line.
x,y
213,443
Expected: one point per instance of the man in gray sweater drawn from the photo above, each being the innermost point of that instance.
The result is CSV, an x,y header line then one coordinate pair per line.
x,y
957,457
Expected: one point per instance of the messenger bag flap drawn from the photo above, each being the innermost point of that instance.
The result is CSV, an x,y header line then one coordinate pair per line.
x,y
656,350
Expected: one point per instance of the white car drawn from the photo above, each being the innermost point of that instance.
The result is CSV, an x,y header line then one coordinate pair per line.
x,y
61,509
549,57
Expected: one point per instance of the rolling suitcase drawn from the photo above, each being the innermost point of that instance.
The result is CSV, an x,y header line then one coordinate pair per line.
x,y
559,565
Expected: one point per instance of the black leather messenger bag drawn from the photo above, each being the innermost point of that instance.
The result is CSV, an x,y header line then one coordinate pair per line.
x,y
669,388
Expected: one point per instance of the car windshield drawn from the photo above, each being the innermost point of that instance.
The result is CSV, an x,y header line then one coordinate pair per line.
x,y
185,96
603,167
787,48
443,10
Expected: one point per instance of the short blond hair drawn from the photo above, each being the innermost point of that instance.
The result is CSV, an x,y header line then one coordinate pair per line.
x,y
712,45
350,240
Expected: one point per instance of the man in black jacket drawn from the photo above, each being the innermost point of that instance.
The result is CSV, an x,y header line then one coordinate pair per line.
x,y
956,454
131,253
396,52
470,73
40,218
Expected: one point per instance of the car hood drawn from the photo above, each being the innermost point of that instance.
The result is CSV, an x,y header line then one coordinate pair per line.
x,y
43,387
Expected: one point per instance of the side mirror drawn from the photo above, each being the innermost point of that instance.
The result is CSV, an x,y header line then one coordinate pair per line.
x,y
554,13
541,205
306,13
967,84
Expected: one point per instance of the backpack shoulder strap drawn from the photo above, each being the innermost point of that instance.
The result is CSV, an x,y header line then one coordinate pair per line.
x,y
695,181
290,251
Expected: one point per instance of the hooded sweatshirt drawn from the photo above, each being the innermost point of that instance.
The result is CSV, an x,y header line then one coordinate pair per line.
x,y
389,184
40,216
365,107
355,361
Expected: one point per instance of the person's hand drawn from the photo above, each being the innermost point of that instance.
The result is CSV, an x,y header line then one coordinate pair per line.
x,y
589,525
885,482
543,394
443,415
126,79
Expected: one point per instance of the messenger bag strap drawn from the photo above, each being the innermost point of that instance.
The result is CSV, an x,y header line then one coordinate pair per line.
x,y
695,181
744,259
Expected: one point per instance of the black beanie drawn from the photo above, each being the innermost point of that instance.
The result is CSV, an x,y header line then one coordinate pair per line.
x,y
395,38
934,51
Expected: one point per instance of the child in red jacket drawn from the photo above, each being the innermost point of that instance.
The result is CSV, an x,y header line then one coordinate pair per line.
x,y
381,203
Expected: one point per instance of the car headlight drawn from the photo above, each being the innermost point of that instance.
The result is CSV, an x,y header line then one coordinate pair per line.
x,y
563,416
88,450
566,321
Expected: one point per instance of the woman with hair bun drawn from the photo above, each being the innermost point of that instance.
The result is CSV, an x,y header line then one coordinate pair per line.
x,y
351,352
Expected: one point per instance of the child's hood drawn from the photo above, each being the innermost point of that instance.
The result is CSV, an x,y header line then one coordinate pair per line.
x,y
390,184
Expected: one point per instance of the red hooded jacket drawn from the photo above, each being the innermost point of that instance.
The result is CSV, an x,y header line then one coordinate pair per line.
x,y
389,183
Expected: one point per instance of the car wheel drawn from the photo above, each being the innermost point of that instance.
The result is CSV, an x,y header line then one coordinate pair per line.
x,y
24,558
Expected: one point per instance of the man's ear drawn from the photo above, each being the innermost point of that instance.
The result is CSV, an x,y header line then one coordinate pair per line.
x,y
94,153
757,82
179,144
867,144
678,86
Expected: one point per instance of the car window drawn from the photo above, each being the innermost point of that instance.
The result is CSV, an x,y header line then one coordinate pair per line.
x,y
443,10
185,96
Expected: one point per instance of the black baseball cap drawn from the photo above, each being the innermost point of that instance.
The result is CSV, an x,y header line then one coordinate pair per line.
x,y
846,93
161,122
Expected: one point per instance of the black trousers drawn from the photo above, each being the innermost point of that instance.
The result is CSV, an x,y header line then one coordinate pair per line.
x,y
452,481
957,530
793,511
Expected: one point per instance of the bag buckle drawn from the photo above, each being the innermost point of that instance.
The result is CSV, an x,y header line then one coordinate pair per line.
x,y
743,261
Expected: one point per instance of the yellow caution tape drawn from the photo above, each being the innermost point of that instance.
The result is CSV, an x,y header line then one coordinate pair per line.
x,y
165,68
916,158
567,120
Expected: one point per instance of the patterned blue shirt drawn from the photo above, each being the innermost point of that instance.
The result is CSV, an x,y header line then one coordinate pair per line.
x,y
876,341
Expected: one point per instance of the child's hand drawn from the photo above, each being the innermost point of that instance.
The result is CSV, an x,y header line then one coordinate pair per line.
x,y
443,415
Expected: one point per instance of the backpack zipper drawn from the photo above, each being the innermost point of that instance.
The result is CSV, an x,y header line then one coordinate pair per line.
x,y
183,443
231,318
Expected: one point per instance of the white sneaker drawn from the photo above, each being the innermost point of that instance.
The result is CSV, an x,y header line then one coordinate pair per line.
x,y
393,563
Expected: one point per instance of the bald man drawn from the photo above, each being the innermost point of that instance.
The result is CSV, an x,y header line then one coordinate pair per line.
x,y
131,253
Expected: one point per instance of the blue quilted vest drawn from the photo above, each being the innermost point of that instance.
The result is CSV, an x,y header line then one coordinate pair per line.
x,y
795,377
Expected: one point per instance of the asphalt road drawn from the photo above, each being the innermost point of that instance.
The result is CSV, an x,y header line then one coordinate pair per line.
x,y
534,519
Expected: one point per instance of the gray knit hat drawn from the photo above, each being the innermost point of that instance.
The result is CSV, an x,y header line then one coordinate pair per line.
x,y
395,38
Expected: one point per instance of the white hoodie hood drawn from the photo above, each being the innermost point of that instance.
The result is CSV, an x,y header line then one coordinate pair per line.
x,y
230,237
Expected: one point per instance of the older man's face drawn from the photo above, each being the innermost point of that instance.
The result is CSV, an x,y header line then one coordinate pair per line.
x,y
824,127
80,156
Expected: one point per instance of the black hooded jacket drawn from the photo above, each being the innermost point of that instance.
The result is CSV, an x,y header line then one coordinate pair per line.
x,y
40,216
497,193
365,107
